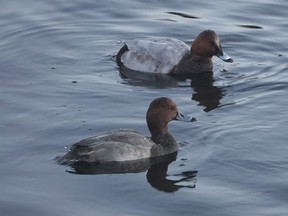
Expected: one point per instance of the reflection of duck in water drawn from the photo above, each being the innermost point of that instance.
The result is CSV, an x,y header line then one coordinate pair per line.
x,y
205,92
135,166
151,80
158,178
156,174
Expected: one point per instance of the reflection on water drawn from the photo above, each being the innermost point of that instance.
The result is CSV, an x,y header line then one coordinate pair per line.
x,y
158,178
251,26
184,15
156,175
205,92
151,80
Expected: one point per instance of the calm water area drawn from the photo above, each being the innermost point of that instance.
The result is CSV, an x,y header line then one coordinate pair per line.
x,y
59,83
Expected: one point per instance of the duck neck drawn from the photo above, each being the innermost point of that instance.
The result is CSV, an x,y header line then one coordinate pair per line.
x,y
157,132
163,139
157,129
200,59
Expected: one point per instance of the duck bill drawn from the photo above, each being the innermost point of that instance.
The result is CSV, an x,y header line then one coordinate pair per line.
x,y
182,117
224,57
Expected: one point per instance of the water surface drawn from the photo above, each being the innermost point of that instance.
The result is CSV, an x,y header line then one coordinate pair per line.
x,y
59,84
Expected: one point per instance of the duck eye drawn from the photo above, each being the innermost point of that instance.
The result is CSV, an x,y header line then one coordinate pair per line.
x,y
170,108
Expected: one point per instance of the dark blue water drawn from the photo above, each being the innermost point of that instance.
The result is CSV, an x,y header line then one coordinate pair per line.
x,y
59,84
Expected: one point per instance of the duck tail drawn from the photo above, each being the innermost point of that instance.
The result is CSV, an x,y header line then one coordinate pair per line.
x,y
120,53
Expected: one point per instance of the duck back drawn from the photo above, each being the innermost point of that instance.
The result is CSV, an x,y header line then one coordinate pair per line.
x,y
158,55
115,145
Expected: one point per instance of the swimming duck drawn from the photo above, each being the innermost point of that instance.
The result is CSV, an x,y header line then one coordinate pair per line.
x,y
172,56
126,144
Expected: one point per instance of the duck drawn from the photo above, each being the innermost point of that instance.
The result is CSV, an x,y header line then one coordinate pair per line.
x,y
172,56
122,145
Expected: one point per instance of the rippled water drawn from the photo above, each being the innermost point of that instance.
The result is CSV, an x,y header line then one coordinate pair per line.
x,y
59,84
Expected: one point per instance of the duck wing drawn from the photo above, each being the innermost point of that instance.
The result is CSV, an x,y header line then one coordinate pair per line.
x,y
116,145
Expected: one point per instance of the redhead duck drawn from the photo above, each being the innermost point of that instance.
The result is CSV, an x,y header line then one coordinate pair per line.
x,y
125,144
172,56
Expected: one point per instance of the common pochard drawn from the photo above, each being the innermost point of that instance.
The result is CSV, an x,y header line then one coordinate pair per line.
x,y
127,144
172,56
